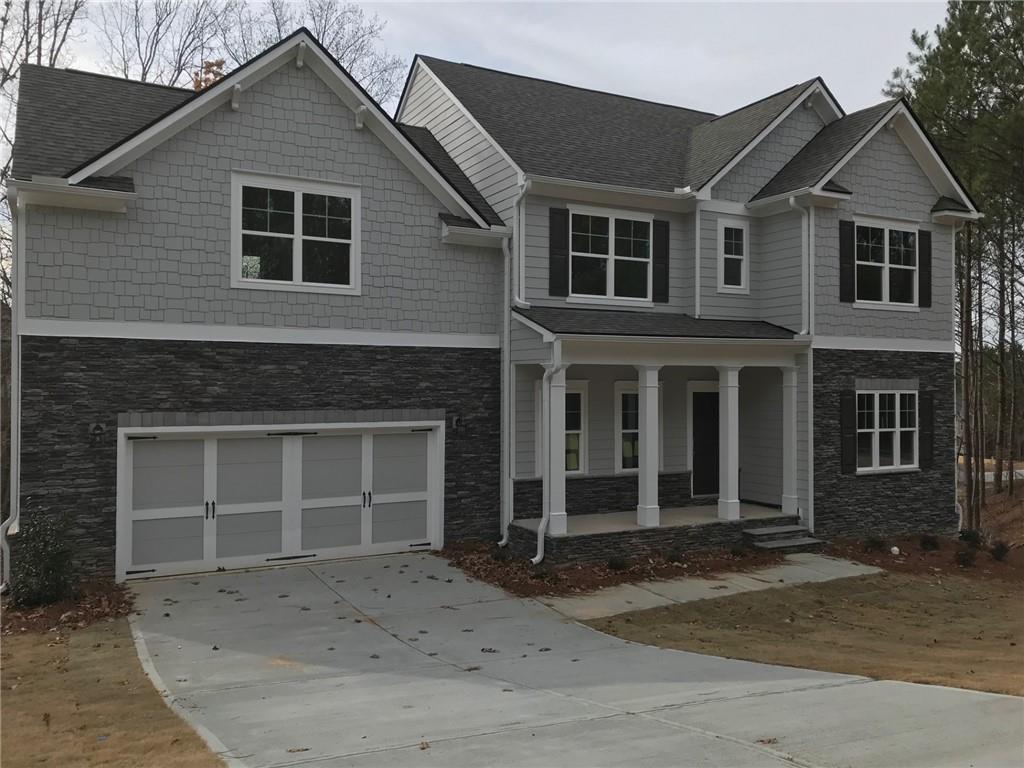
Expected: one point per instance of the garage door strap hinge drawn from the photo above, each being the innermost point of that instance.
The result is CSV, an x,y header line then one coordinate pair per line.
x,y
142,437
422,429
424,544
143,570
291,557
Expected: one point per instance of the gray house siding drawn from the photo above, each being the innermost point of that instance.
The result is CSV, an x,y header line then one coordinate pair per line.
x,y
527,345
680,274
886,182
761,435
766,159
168,258
428,105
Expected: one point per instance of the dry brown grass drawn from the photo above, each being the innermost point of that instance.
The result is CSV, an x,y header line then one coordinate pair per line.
x,y
941,629
81,699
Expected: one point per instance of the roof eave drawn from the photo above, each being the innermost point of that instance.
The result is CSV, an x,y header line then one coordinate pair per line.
x,y
58,193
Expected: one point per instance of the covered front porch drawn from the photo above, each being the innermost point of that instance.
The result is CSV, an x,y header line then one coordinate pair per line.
x,y
623,433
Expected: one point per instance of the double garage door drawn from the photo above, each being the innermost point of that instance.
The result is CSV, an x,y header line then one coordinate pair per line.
x,y
192,503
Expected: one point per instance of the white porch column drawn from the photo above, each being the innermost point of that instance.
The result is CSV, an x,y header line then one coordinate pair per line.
x,y
789,430
648,513
554,471
729,442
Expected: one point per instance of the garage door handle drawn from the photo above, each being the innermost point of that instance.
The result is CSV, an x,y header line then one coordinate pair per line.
x,y
214,510
207,510
364,498
371,498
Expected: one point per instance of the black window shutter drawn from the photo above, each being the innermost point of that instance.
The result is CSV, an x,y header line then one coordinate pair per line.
x,y
924,269
848,431
926,429
846,261
659,278
558,252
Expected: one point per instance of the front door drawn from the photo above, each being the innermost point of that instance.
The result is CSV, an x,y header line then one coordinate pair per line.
x,y
705,444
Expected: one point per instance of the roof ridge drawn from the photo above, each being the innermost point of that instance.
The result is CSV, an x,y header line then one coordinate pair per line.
x,y
566,85
105,76
804,84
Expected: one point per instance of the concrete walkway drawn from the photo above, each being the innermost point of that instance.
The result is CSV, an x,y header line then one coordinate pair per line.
x,y
404,661
799,568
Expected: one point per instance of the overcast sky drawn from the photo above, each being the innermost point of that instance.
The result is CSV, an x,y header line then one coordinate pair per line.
x,y
709,56
713,57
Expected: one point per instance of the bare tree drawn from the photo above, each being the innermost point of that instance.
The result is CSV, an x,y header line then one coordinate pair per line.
x,y
37,32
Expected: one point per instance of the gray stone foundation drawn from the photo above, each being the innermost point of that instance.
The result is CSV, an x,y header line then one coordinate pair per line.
x,y
603,493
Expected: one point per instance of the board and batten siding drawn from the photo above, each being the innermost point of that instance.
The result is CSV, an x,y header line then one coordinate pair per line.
x,y
769,156
680,254
428,105
168,258
886,183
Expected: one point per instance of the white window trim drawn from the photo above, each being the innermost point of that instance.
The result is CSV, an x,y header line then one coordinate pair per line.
x,y
885,303
609,297
298,186
916,430
581,386
633,387
744,287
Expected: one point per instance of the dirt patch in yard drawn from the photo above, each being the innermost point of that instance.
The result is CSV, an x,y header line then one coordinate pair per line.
x,y
80,698
932,556
516,575
1002,517
939,629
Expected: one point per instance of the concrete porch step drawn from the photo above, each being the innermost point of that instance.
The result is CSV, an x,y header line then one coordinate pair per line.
x,y
794,544
774,532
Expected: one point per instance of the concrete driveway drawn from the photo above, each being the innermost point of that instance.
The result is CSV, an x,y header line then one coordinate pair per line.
x,y
402,660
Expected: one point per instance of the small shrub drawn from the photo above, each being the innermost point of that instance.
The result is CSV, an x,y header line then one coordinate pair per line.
x,y
500,555
874,544
965,558
972,538
929,543
738,550
541,572
618,563
675,556
1000,550
41,567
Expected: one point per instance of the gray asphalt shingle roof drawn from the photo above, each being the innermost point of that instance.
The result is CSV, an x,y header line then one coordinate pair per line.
x,y
562,131
821,153
604,322
949,204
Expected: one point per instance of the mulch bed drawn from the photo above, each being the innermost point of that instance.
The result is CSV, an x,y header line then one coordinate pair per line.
x,y
913,558
516,575
96,601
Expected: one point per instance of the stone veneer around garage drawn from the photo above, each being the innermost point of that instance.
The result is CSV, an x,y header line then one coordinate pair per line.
x,y
71,385
602,493
882,504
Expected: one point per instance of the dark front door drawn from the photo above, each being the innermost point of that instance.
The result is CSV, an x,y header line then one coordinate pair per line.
x,y
705,443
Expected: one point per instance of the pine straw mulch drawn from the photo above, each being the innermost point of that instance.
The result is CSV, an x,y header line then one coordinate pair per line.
x,y
516,575
943,560
96,601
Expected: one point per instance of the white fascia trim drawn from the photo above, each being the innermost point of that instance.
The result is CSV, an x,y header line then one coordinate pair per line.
x,y
683,340
799,194
546,335
60,194
468,115
486,238
249,74
805,94
886,344
112,329
571,184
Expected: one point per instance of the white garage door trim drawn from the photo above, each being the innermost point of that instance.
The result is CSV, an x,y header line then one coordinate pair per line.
x,y
291,515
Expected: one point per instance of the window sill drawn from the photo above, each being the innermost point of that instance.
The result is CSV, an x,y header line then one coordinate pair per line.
x,y
888,306
734,290
887,471
287,287
608,301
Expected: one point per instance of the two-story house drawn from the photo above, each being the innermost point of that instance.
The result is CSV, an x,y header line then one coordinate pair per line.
x,y
266,322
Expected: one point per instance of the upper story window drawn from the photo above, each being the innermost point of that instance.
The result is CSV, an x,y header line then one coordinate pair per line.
x,y
294,235
733,256
886,264
610,255
886,430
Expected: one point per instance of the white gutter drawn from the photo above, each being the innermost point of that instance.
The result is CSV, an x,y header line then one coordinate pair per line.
x,y
506,511
519,232
804,266
616,188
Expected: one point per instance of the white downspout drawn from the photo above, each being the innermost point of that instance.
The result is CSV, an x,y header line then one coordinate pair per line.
x,y
519,228
11,524
506,397
804,266
810,274
545,442
696,259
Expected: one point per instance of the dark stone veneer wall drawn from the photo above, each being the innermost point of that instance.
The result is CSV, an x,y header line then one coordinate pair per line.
x,y
603,493
69,384
882,504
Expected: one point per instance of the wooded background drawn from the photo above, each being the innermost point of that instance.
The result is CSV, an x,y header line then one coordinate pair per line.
x,y
964,79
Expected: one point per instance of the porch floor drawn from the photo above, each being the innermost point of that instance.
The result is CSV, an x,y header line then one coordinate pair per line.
x,y
612,522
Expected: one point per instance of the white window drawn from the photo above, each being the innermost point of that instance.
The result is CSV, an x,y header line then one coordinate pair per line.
x,y
294,235
610,255
733,256
627,427
575,428
886,263
886,430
